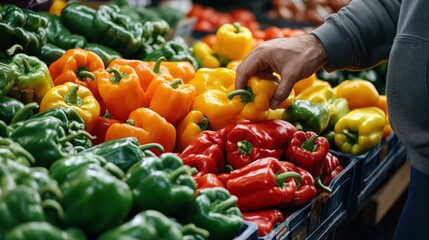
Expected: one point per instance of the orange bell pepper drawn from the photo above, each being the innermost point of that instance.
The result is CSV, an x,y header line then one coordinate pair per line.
x,y
183,70
146,126
358,92
382,104
121,91
78,66
190,126
71,95
171,100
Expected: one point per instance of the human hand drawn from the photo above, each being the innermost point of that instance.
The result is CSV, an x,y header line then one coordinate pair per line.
x,y
293,58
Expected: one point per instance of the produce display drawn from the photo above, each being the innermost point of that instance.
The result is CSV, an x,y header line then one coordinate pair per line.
x,y
110,129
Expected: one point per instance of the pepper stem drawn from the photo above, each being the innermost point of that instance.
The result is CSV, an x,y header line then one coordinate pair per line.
x,y
237,26
222,206
246,95
192,229
16,47
157,66
244,147
17,149
72,98
52,190
117,76
175,84
148,146
204,124
107,114
282,177
130,122
309,145
179,171
74,135
318,183
83,73
352,137
26,64
114,170
52,204
24,113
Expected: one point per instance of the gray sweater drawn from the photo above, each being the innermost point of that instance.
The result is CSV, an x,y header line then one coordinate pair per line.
x,y
370,31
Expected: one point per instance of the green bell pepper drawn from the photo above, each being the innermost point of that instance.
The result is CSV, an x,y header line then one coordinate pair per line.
x,y
7,79
22,29
123,152
215,210
107,54
43,230
307,116
337,109
49,53
163,184
78,18
33,75
14,151
8,108
117,31
103,201
44,138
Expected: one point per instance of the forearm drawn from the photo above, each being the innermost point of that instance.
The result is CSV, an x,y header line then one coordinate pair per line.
x,y
359,35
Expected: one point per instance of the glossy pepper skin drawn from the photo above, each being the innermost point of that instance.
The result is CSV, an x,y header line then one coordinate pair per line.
x,y
188,128
161,183
43,230
233,41
146,126
208,180
74,96
171,100
121,91
49,53
14,151
8,108
33,74
179,69
205,54
215,210
263,177
249,141
105,53
308,116
266,220
337,109
22,29
331,168
101,126
318,93
116,30
8,78
360,130
174,51
78,18
358,92
213,78
91,178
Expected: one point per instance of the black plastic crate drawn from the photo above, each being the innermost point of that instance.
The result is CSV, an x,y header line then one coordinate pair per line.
x,y
248,232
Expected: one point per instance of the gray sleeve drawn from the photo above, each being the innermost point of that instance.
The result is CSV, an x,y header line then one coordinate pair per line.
x,y
360,35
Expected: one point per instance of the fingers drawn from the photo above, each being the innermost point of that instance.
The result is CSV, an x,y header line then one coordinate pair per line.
x,y
284,88
247,68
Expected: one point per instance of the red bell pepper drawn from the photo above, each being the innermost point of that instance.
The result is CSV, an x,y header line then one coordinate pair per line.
x,y
331,168
266,220
209,143
203,163
208,180
264,183
249,141
103,123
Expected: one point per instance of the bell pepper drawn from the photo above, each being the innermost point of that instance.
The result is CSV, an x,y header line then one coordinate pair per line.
x,y
256,98
358,92
331,168
233,64
183,70
215,210
32,74
308,150
57,6
208,143
205,54
105,53
266,220
249,141
78,66
123,152
47,141
360,130
74,96
78,18
188,129
103,123
317,94
8,108
208,180
233,41
49,53
337,109
207,78
382,104
8,78
203,163
308,116
14,151
147,126
171,100
91,178
264,177
22,29
121,91
304,84
174,51
216,106
43,230
152,225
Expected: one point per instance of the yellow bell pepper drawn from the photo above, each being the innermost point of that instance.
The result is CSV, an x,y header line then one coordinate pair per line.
x,y
358,92
190,126
216,106
205,55
71,95
57,6
233,64
304,83
233,41
382,104
213,78
317,94
359,130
